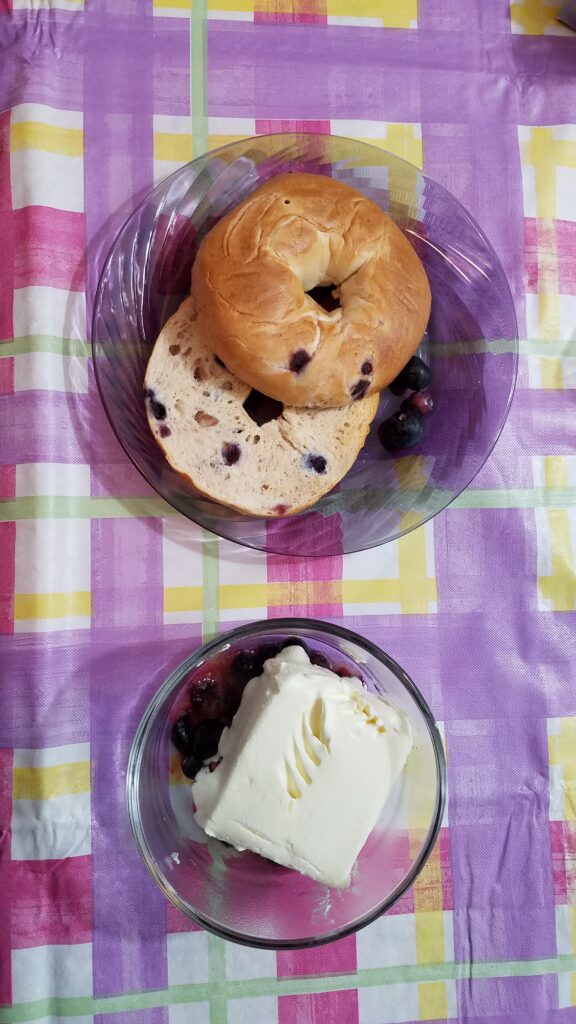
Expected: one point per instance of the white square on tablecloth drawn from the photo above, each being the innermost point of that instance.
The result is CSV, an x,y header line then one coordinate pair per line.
x,y
40,309
61,479
51,371
51,971
388,942
387,1004
255,1010
187,954
243,963
189,1013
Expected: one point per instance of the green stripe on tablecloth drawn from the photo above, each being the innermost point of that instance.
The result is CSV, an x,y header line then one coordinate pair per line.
x,y
44,343
49,507
78,347
198,46
86,1006
217,975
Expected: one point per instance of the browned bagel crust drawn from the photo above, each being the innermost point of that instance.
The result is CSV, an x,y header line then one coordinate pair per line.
x,y
252,274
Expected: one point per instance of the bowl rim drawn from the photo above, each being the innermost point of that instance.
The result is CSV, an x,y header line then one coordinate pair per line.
x,y
199,519
197,658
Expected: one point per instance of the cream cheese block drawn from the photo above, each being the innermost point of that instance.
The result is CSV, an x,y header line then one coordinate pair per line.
x,y
307,765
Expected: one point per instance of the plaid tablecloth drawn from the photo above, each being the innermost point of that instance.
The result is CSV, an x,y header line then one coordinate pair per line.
x,y
103,588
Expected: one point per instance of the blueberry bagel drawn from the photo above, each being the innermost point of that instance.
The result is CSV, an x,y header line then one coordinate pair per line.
x,y
201,416
256,268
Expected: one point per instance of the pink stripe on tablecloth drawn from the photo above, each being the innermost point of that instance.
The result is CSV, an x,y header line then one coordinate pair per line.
x,y
444,847
336,958
531,253
319,1008
6,230
49,248
176,921
558,849
566,245
272,127
51,902
279,18
325,596
7,375
7,570
5,872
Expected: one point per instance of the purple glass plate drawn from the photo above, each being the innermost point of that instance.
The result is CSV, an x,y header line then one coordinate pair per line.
x,y
471,344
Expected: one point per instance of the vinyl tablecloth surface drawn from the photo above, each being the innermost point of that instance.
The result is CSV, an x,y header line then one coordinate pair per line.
x,y
103,588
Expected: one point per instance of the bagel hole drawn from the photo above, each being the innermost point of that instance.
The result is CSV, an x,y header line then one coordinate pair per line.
x,y
322,296
262,409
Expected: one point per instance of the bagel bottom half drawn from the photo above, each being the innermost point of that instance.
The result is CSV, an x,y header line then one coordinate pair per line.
x,y
195,409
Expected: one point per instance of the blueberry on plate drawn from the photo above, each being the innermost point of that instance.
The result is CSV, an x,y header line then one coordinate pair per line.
x,y
414,377
191,766
319,659
401,430
205,739
245,666
420,402
182,735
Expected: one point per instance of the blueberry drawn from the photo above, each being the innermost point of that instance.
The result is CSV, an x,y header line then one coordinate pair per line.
x,y
359,389
319,659
414,377
298,360
164,431
191,766
158,409
244,666
402,430
366,368
317,463
205,739
230,453
182,735
420,402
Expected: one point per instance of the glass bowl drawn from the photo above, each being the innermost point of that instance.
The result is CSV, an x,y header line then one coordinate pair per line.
x,y
471,343
241,896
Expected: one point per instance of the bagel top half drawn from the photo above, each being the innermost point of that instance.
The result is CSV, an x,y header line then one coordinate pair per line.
x,y
255,268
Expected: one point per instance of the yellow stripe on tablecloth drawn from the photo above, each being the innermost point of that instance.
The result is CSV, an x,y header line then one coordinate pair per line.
x,y
52,606
184,5
260,595
223,140
393,13
244,6
36,135
555,471
172,146
432,1001
56,780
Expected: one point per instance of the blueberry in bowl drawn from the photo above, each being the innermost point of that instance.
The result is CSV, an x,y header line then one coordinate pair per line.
x,y
187,803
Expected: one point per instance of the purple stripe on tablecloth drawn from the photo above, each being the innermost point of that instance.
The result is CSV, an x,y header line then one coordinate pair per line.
x,y
499,837
45,426
511,1001
520,674
171,66
257,70
126,556
118,135
118,479
157,1015
44,681
41,58
544,421
129,946
127,587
